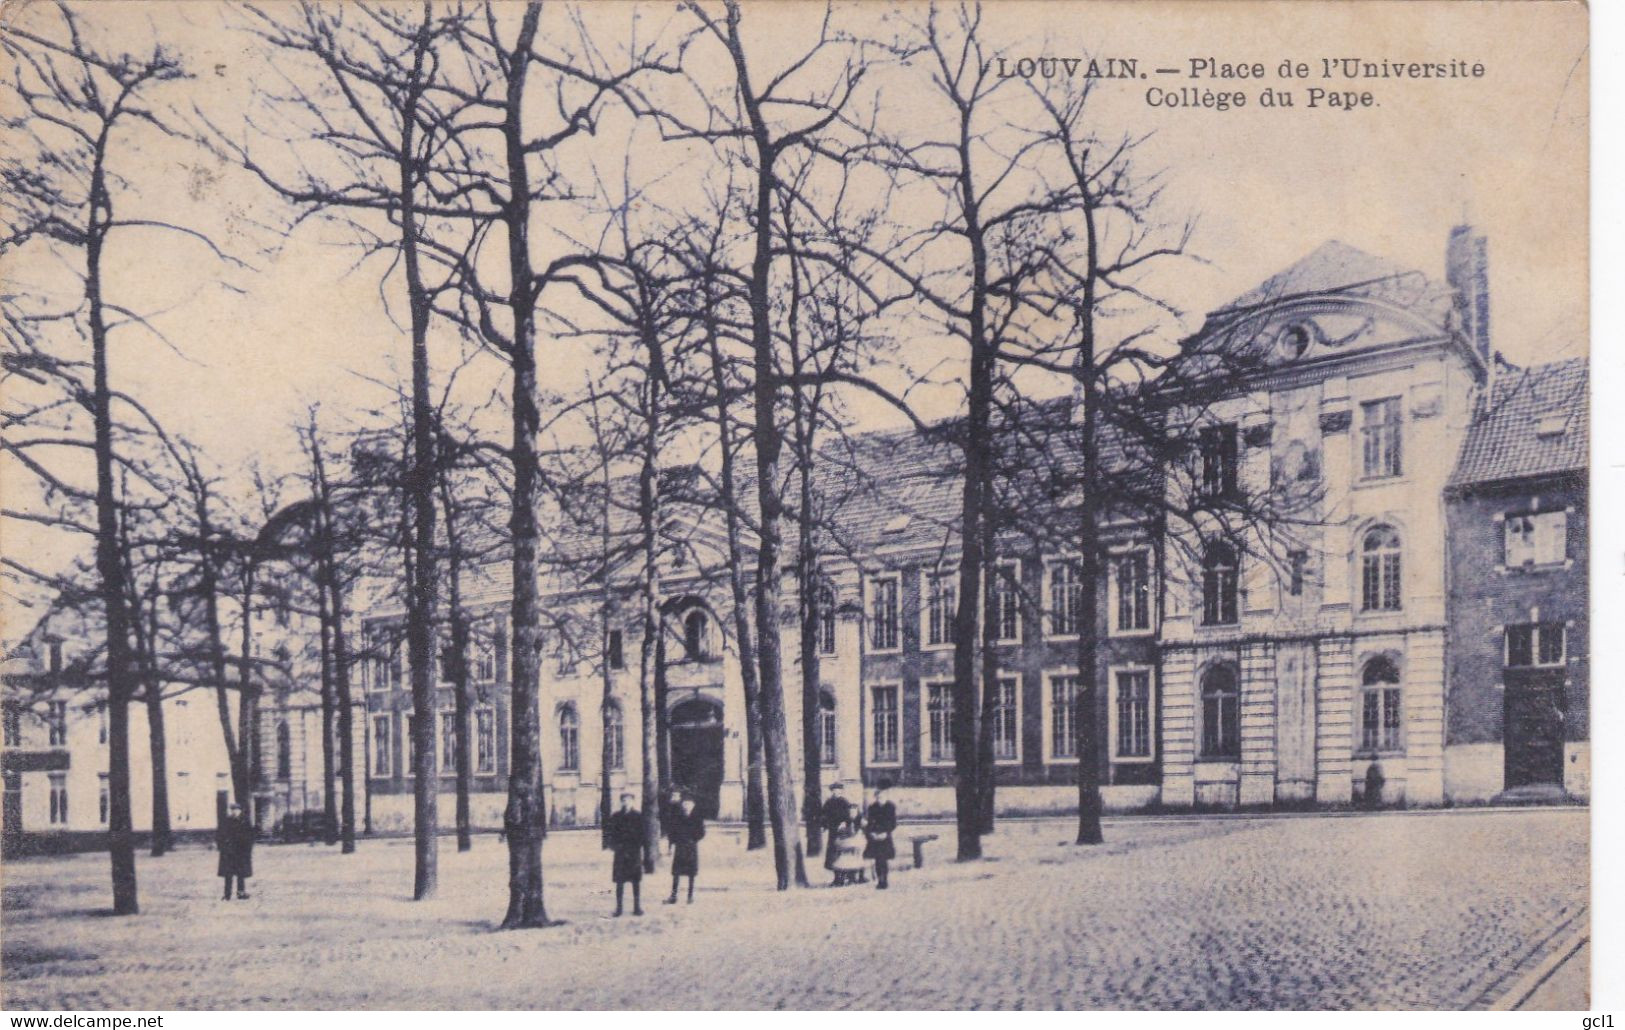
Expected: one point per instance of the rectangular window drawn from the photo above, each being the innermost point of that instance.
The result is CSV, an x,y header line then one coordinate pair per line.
x,y
1134,714
59,799
101,724
826,620
447,659
485,656
883,616
102,801
884,711
1379,719
448,741
942,607
1065,598
411,746
1218,452
1063,717
939,711
1537,539
1134,591
1006,605
826,731
1379,582
1300,565
14,724
56,718
381,755
1006,727
1535,644
485,740
617,650
1381,426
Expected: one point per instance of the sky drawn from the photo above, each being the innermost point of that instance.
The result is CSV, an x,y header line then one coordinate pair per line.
x,y
249,349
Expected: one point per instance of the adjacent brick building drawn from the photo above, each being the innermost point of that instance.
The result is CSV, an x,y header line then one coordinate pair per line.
x,y
1518,643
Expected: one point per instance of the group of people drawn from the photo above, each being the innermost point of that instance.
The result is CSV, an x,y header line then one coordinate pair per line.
x,y
856,839
859,837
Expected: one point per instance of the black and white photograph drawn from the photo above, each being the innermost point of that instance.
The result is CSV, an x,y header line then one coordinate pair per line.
x,y
734,505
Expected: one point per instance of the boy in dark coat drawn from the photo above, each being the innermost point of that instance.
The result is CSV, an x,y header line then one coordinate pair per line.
x,y
685,830
626,840
234,839
879,824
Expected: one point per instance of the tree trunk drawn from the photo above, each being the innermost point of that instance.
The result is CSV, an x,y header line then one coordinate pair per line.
x,y
755,807
986,765
247,695
463,712
341,682
787,854
525,818
1089,572
650,653
330,809
811,699
163,835
120,840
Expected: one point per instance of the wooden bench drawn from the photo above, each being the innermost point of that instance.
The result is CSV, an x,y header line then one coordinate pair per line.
x,y
919,848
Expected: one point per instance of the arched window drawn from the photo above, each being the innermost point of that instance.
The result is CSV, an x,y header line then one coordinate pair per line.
x,y
615,735
694,636
1219,570
826,728
826,618
284,752
1221,713
1379,570
1380,705
569,739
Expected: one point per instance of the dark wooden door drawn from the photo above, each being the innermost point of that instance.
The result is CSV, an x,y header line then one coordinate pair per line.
x,y
1534,729
696,753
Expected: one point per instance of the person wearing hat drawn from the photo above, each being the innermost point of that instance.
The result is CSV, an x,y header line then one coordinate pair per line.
x,y
626,841
684,831
879,823
234,839
832,817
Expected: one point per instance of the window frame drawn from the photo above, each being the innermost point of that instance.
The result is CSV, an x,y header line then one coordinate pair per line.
x,y
828,601
896,734
931,582
1213,597
569,742
896,613
1014,708
1389,576
1219,752
57,786
447,743
1114,593
1050,754
931,754
1114,714
615,731
384,754
1074,596
1389,697
1389,435
1005,590
1537,634
829,730
56,724
1218,445
1536,560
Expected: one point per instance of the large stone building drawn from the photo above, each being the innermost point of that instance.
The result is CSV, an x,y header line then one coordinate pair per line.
x,y
1226,680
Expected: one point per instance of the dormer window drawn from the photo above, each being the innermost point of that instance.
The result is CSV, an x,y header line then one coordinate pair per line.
x,y
897,524
1554,423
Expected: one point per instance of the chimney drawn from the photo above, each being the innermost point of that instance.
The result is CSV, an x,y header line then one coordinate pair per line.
x,y
1467,269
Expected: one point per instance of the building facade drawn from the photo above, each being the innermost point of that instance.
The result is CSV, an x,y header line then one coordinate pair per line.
x,y
1519,631
1341,657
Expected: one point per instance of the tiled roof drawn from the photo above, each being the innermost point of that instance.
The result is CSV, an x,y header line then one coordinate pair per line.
x,y
1537,423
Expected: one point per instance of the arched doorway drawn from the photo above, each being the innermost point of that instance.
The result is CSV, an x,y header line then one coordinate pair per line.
x,y
696,752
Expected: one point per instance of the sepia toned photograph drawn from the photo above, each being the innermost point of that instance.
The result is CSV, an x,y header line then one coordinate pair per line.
x,y
742,505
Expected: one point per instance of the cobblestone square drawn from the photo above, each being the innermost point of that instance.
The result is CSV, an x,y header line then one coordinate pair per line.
x,y
1406,910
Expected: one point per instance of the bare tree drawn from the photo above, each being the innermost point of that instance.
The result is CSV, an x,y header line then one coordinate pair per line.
x,y
77,109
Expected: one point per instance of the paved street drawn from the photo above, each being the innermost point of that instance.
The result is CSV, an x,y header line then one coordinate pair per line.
x,y
1440,910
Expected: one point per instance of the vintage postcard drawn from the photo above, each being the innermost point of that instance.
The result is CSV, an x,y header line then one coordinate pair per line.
x,y
745,505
